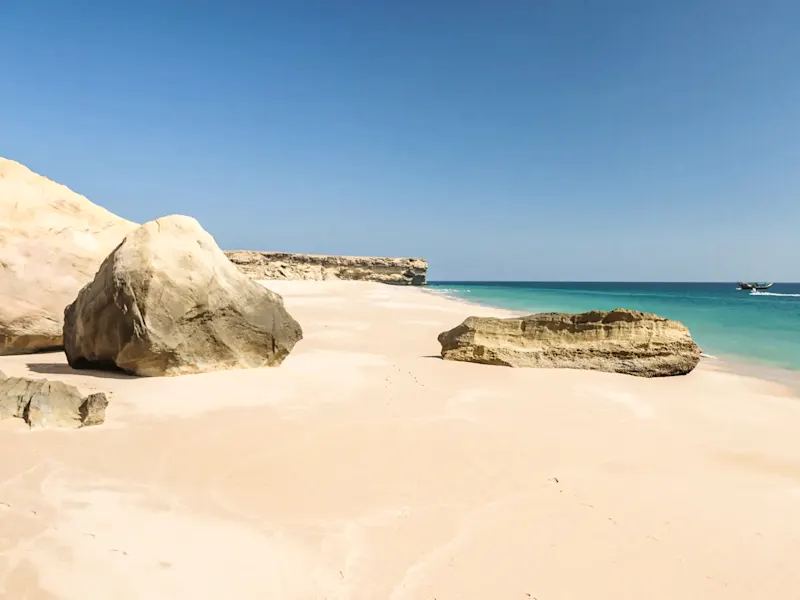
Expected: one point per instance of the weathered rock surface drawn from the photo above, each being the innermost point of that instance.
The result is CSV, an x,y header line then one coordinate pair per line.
x,y
52,242
167,301
43,403
279,265
618,341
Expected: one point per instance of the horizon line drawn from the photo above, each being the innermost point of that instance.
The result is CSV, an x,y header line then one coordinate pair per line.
x,y
593,281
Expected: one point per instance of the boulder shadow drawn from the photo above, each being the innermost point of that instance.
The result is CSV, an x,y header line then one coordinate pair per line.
x,y
433,356
62,369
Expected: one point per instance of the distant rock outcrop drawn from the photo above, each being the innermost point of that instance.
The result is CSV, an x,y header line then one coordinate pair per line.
x,y
43,403
52,241
619,341
280,265
167,301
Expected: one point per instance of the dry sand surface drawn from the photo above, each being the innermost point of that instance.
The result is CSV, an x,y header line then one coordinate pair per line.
x,y
366,468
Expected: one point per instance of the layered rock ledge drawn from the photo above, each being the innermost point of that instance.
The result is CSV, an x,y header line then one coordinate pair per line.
x,y
617,341
282,265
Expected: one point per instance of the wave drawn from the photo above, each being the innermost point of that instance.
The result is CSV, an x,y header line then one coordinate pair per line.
x,y
757,293
446,291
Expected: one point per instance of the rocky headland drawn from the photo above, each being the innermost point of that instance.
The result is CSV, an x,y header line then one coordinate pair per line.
x,y
280,265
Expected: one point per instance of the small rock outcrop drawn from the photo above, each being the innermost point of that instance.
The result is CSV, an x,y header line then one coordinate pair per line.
x,y
280,265
617,341
43,403
52,241
167,301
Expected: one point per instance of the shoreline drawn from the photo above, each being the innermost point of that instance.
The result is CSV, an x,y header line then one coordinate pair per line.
x,y
735,365
366,467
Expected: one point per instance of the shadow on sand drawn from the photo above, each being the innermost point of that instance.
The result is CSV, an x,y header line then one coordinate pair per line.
x,y
62,369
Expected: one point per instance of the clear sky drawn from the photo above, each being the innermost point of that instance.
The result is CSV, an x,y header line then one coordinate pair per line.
x,y
550,139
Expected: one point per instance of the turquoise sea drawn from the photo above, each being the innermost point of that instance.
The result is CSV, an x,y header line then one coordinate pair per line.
x,y
749,328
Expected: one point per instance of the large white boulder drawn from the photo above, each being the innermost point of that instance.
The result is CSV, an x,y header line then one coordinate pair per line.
x,y
167,301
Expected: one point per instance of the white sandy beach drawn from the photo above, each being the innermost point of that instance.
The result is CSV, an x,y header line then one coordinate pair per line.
x,y
366,468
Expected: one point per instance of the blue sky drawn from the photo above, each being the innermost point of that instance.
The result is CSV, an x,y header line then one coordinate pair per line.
x,y
551,139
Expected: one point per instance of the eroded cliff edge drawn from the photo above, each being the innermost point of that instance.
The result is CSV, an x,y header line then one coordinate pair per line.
x,y
281,265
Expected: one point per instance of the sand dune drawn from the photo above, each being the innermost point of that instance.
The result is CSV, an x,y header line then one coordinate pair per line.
x,y
366,468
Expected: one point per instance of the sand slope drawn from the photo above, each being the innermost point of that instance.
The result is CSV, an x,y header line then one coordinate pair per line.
x,y
362,468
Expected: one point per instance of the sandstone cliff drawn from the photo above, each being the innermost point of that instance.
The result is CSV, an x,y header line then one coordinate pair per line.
x,y
618,341
279,265
52,242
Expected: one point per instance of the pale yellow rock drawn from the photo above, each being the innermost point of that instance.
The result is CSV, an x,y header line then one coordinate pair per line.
x,y
323,267
618,341
52,241
167,301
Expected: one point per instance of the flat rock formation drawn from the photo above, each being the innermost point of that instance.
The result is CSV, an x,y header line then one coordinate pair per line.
x,y
618,341
52,242
167,301
43,403
280,265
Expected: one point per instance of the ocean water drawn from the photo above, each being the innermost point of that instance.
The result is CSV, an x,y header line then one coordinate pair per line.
x,y
749,328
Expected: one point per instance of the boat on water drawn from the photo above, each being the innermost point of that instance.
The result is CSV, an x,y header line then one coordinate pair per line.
x,y
753,286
